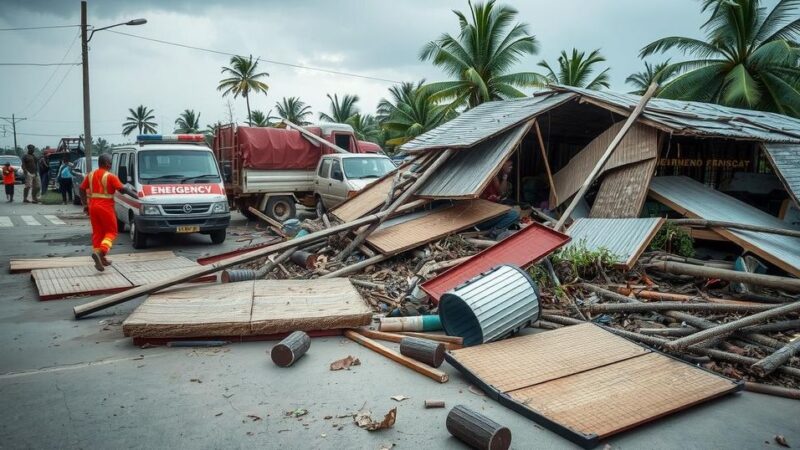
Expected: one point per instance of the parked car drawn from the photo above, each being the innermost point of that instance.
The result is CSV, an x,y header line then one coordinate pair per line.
x,y
16,164
341,175
78,173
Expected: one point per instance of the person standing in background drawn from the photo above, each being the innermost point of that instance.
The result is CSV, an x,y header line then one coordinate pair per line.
x,y
44,172
8,181
64,179
30,167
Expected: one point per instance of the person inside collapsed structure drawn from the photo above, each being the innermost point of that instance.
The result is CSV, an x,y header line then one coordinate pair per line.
x,y
498,191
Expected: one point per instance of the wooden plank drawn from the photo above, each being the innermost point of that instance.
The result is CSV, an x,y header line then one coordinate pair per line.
x,y
79,280
367,200
437,224
704,234
289,305
194,311
140,273
27,265
553,192
620,396
416,366
623,191
397,337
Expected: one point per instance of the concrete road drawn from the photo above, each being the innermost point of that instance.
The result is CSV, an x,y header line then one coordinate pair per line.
x,y
82,384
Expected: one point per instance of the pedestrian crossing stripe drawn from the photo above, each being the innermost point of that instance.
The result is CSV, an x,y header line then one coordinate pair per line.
x,y
29,220
53,219
5,222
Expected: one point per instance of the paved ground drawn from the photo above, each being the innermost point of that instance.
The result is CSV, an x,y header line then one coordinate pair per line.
x,y
81,384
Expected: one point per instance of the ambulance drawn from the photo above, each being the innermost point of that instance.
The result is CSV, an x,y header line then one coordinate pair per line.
x,y
178,182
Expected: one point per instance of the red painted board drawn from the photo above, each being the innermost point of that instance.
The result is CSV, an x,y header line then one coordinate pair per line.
x,y
520,249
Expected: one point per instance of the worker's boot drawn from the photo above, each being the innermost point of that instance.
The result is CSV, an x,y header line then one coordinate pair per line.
x,y
98,261
104,260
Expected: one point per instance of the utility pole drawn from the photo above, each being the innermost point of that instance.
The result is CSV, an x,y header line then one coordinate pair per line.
x,y
13,121
87,117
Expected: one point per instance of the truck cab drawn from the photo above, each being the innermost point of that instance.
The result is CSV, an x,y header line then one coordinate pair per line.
x,y
179,186
340,176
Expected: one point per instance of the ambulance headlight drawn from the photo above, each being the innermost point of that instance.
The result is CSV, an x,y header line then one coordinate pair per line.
x,y
220,207
150,210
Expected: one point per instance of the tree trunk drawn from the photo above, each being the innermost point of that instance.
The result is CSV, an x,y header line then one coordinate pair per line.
x,y
249,117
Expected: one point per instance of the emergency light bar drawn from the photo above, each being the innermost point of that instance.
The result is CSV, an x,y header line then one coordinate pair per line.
x,y
166,138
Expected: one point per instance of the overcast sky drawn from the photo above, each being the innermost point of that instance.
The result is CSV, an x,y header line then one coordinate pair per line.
x,y
373,38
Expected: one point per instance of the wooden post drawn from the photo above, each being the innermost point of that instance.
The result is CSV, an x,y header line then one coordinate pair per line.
x,y
732,225
675,306
356,267
477,430
604,158
769,389
546,162
414,365
771,281
457,340
313,137
274,225
423,350
292,348
398,337
363,235
768,365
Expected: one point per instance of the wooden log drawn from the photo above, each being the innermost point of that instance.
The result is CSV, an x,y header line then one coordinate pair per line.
x,y
423,350
437,266
412,364
481,243
543,149
545,325
397,337
778,391
781,356
434,337
477,430
670,297
682,331
771,281
290,349
733,225
275,262
674,306
274,225
115,299
705,324
606,155
434,404
734,325
367,284
784,325
366,251
356,267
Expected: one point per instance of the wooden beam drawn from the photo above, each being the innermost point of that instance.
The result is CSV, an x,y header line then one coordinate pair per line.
x,y
735,226
434,337
274,225
546,161
771,281
397,337
412,364
603,159
311,136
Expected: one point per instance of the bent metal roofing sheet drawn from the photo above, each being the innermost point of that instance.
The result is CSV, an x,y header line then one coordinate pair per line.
x,y
626,239
785,158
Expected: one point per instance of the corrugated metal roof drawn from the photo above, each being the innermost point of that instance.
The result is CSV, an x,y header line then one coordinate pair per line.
x,y
625,238
520,249
467,172
785,159
697,200
484,121
685,117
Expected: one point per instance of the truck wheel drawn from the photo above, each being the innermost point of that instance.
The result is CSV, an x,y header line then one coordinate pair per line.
x,y
120,226
281,208
218,236
320,207
138,239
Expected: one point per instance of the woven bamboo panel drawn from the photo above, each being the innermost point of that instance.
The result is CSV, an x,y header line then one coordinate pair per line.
x,y
527,360
623,191
368,199
437,224
194,311
26,265
288,305
145,272
620,396
78,280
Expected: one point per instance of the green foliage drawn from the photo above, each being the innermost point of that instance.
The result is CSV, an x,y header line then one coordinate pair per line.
x,y
341,111
243,79
294,110
660,73
366,127
673,239
581,262
410,111
258,119
100,146
576,70
142,119
188,122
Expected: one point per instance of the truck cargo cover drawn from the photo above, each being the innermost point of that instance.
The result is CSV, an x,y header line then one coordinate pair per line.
x,y
275,148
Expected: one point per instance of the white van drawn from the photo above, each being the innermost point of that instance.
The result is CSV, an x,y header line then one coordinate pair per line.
x,y
341,175
179,185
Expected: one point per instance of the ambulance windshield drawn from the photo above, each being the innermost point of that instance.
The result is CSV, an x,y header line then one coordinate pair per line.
x,y
177,166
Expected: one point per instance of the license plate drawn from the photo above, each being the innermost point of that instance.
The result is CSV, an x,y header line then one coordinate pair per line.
x,y
188,229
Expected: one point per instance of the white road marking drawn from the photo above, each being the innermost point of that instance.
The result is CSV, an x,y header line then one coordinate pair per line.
x,y
55,220
29,220
5,221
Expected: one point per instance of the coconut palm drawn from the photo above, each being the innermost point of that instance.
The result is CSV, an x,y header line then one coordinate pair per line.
x,y
750,57
366,127
210,131
409,112
188,122
100,146
294,110
481,55
342,110
658,73
576,70
243,79
140,119
258,119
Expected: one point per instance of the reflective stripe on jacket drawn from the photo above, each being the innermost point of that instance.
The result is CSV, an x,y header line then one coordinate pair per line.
x,y
103,186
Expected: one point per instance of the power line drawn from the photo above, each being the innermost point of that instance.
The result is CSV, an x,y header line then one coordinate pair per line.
x,y
53,93
46,83
280,63
38,28
66,134
41,64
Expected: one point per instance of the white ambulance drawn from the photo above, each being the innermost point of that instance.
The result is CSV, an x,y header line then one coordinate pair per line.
x,y
179,185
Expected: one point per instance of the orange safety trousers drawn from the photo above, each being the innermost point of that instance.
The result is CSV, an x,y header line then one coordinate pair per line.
x,y
104,225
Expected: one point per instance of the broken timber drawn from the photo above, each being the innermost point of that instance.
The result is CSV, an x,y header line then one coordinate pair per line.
x,y
772,281
732,225
412,364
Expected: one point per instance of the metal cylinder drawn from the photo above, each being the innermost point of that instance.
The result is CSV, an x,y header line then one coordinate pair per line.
x,y
490,306
411,323
234,275
304,259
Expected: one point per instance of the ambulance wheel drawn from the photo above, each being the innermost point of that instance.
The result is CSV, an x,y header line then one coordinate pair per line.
x,y
138,239
281,208
218,236
120,226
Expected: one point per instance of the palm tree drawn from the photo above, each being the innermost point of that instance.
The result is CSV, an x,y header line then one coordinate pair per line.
x,y
576,69
658,73
100,146
243,79
341,111
188,122
410,112
258,119
366,127
481,56
750,57
210,131
140,118
294,110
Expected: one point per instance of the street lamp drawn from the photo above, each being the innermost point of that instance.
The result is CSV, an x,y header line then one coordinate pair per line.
x,y
87,120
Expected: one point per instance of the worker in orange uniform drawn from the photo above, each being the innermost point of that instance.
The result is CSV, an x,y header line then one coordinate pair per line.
x,y
99,187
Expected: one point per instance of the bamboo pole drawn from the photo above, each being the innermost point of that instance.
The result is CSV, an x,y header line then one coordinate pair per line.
x,y
356,267
675,306
701,223
412,364
670,297
604,158
397,337
781,356
775,282
546,161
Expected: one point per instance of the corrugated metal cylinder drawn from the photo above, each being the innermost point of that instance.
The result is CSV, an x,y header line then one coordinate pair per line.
x,y
490,306
234,275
